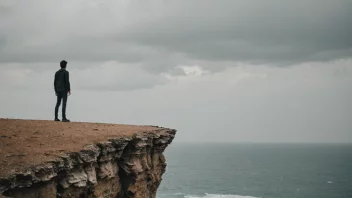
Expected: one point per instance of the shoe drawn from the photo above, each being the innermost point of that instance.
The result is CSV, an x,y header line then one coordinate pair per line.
x,y
57,120
65,120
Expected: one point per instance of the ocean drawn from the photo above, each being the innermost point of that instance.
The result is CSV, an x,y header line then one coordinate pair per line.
x,y
214,170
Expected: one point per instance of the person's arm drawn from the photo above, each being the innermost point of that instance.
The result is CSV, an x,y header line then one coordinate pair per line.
x,y
68,82
55,78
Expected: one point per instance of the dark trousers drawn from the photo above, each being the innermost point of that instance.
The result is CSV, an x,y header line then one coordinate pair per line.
x,y
61,95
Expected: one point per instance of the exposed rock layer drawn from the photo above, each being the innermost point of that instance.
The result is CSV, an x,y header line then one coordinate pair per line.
x,y
121,167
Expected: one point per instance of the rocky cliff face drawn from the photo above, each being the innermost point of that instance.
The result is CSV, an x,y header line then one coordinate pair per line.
x,y
125,167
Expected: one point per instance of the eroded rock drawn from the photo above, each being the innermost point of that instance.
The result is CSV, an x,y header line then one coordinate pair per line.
x,y
120,167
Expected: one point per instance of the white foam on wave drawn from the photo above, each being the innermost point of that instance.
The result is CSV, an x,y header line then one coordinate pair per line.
x,y
218,196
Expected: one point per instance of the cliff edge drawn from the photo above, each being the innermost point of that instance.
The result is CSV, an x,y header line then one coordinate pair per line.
x,y
47,159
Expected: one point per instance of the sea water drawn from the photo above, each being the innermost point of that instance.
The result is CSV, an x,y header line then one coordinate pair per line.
x,y
215,170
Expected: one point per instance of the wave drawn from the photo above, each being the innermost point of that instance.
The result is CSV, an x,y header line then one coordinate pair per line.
x,y
218,196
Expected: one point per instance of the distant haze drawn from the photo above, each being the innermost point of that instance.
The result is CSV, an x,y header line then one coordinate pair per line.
x,y
218,71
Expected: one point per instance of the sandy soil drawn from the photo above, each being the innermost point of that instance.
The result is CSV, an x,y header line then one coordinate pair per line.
x,y
24,143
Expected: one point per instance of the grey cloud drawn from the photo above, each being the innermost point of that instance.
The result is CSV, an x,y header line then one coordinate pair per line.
x,y
271,32
115,76
164,34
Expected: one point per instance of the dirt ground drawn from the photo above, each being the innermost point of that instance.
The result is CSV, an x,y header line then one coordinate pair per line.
x,y
24,143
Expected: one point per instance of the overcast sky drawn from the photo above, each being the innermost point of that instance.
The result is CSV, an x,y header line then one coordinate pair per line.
x,y
224,70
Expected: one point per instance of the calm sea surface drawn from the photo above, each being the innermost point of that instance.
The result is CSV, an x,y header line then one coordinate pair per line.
x,y
257,170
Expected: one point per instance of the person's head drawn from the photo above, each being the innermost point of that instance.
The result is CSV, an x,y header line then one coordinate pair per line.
x,y
63,64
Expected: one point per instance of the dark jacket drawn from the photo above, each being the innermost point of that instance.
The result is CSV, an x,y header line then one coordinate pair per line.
x,y
62,81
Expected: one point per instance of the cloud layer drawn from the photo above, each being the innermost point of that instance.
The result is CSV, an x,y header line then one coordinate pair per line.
x,y
224,70
131,31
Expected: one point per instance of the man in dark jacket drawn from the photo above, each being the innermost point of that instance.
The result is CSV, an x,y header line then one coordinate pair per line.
x,y
62,90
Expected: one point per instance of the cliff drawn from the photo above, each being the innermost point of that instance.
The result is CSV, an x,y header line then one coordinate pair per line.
x,y
47,159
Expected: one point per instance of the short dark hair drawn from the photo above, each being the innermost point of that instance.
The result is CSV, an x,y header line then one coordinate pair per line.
x,y
63,64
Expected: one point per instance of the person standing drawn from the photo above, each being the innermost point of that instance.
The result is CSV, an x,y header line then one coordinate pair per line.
x,y
62,90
